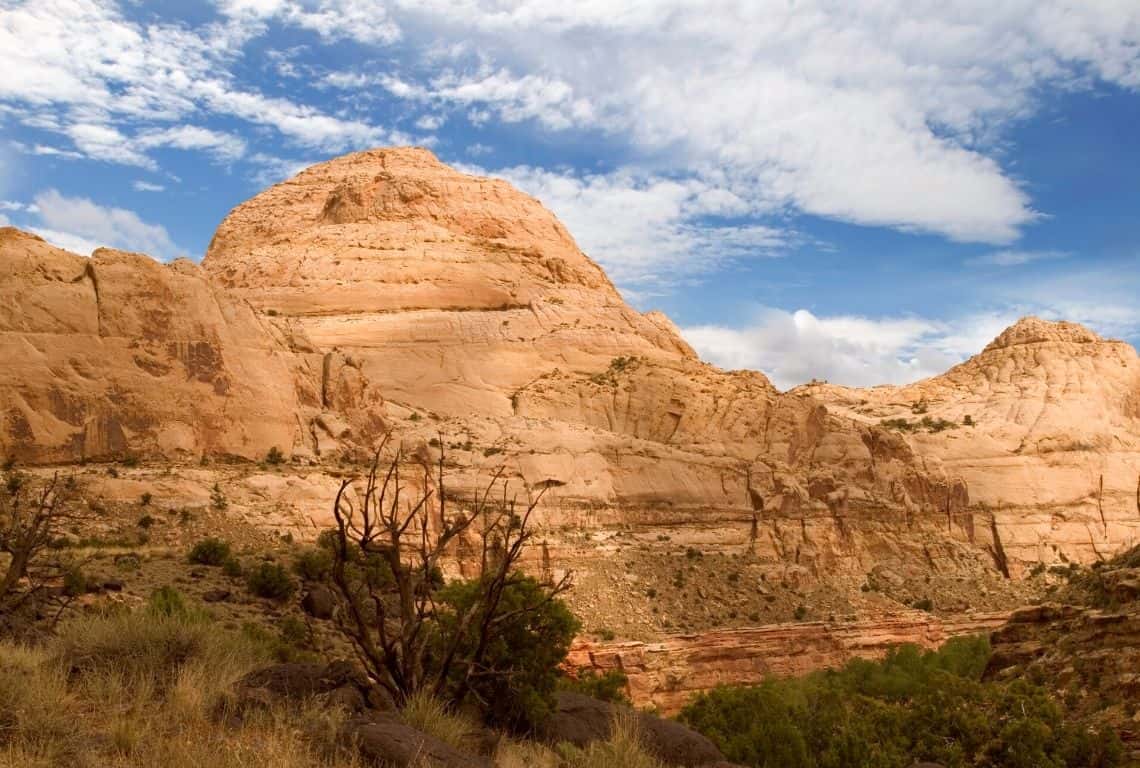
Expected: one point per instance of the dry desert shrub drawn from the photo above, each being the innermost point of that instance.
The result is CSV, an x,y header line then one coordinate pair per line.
x,y
622,750
426,713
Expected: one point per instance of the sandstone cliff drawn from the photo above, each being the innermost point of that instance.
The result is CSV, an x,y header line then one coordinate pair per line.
x,y
1043,426
383,290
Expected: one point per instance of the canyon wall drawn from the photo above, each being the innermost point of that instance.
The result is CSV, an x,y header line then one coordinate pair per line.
x,y
384,291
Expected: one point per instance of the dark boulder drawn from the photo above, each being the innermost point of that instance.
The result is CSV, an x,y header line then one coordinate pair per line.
x,y
216,596
337,684
580,719
319,602
383,739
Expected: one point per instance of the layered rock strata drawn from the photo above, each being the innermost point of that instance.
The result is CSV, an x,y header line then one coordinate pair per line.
x,y
665,674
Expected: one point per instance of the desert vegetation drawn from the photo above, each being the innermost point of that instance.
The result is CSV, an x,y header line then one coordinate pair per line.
x,y
496,637
911,706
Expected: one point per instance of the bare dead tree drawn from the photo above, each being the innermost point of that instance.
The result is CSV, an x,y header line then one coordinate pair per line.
x,y
32,516
409,527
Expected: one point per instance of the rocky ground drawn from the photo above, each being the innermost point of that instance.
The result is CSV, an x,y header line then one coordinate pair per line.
x,y
1084,643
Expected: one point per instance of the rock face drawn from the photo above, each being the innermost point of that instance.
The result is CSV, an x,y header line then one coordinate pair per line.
x,y
385,291
1086,648
1043,426
665,674
118,355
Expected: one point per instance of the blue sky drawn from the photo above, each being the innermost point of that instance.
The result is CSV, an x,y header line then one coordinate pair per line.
x,y
865,193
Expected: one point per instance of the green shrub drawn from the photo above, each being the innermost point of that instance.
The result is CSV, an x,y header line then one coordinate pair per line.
x,y
145,499
210,551
912,706
610,686
146,521
74,581
293,630
523,654
232,567
217,498
272,581
924,604
313,564
166,601
275,456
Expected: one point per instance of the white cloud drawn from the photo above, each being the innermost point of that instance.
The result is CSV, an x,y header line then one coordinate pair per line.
x,y
795,347
115,86
1015,258
146,186
649,231
223,146
81,225
365,22
514,98
792,348
876,113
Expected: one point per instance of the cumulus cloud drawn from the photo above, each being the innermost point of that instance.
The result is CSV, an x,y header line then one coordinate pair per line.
x,y
649,231
792,348
81,225
881,114
116,87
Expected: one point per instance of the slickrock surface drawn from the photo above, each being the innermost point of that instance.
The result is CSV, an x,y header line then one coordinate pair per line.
x,y
384,290
667,673
118,355
1043,426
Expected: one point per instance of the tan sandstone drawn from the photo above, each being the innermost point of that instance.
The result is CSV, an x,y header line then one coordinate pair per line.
x,y
384,290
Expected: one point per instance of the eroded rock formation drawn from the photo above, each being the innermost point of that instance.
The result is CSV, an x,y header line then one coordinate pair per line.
x,y
385,291
665,674
1043,426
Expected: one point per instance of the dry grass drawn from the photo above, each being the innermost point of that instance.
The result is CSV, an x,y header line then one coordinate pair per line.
x,y
622,750
140,689
425,713
525,754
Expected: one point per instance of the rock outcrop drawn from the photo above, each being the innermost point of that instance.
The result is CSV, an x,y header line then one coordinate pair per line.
x,y
1085,646
118,355
1043,426
665,674
385,291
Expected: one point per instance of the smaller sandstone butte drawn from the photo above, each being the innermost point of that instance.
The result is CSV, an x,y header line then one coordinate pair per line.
x,y
1086,647
117,354
1044,427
